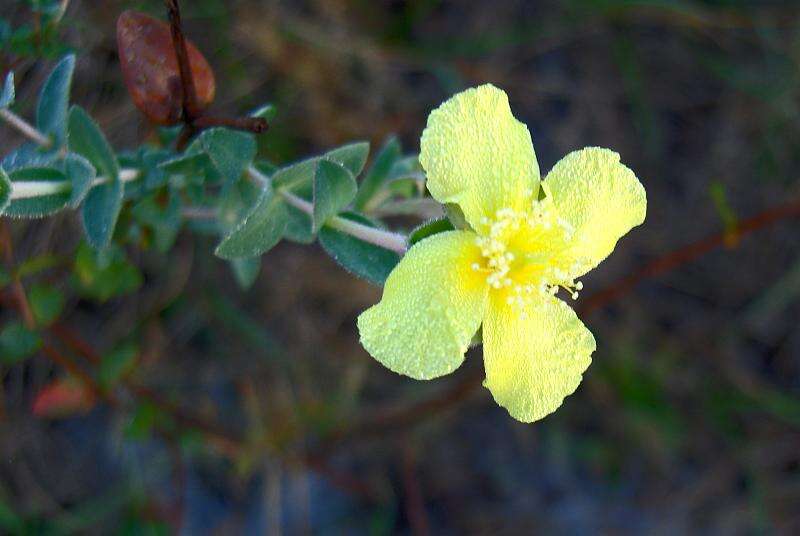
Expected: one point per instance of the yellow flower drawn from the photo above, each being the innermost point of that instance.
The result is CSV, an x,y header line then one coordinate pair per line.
x,y
504,272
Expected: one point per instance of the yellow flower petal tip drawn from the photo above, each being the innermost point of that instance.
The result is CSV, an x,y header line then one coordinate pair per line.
x,y
507,271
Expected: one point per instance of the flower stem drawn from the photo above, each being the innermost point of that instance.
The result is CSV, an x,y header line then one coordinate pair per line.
x,y
379,237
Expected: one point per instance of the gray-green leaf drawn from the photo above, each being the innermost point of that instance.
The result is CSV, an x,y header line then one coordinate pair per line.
x,y
229,150
365,260
7,95
5,189
259,231
51,110
49,180
245,270
103,203
378,173
334,189
429,228
80,174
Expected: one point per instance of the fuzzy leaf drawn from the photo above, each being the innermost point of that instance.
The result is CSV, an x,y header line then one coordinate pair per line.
x,y
245,270
80,174
365,260
196,166
353,156
51,110
5,189
378,173
7,94
103,203
53,185
259,231
334,189
429,228
229,150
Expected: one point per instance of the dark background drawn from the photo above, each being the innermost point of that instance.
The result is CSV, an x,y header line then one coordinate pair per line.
x,y
688,419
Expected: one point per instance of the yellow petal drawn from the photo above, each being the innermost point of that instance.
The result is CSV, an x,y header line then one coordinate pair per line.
x,y
432,305
534,360
477,155
600,198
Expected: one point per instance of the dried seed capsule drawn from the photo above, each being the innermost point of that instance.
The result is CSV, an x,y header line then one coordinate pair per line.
x,y
150,68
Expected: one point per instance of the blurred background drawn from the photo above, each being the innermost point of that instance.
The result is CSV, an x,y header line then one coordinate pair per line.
x,y
258,412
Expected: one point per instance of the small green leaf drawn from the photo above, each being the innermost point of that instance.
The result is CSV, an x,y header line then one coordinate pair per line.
x,y
80,174
112,277
259,231
17,342
334,189
230,151
103,203
298,227
46,303
197,167
7,95
162,216
246,270
429,228
365,260
456,216
299,177
117,364
5,189
268,112
51,110
378,173
48,191
353,156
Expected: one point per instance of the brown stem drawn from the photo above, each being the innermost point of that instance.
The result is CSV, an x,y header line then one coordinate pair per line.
x,y
190,107
689,253
256,125
16,284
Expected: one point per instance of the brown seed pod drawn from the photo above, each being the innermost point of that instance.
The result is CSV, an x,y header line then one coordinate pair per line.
x,y
150,68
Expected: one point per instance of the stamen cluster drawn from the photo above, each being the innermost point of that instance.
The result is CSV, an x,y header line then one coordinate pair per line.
x,y
523,253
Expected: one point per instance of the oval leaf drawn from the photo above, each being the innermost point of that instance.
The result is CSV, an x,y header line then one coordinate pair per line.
x,y
334,189
365,260
378,173
51,110
103,203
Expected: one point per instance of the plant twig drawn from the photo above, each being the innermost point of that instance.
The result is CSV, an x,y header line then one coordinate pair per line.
x,y
24,127
16,284
689,253
188,91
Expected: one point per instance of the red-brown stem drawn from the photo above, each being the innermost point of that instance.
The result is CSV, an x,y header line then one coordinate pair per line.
x,y
689,253
16,284
257,125
190,107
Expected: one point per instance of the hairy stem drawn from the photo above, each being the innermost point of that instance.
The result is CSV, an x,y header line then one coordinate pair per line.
x,y
29,189
379,237
24,127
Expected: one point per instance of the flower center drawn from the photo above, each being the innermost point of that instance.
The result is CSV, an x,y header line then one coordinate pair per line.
x,y
526,253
